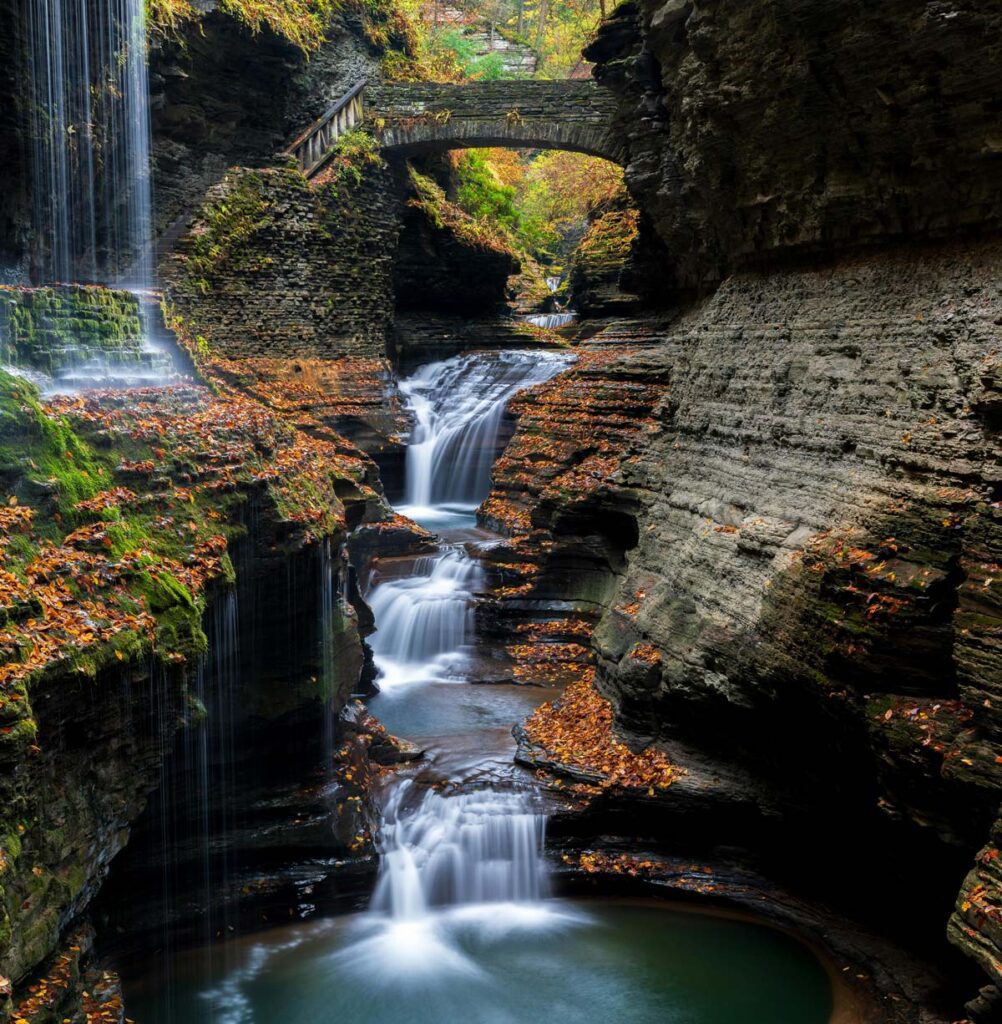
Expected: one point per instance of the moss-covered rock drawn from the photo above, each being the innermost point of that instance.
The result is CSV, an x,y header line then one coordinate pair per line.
x,y
51,329
115,519
448,260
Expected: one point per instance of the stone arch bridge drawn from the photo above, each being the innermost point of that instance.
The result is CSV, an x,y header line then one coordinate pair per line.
x,y
422,117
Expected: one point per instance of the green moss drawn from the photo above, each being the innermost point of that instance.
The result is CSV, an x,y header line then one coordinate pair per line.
x,y
179,633
429,197
353,153
42,459
50,328
225,228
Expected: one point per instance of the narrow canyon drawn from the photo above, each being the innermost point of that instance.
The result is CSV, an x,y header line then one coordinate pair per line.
x,y
501,511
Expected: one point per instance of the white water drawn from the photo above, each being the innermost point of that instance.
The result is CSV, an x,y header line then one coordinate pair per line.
x,y
470,862
424,620
550,320
471,848
458,407
453,868
87,91
89,102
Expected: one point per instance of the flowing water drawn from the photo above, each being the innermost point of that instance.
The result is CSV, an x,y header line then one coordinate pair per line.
x,y
425,619
458,407
88,98
462,925
551,321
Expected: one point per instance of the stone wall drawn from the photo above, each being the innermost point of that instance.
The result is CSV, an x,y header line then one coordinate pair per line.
x,y
812,591
796,126
423,117
273,266
787,507
817,494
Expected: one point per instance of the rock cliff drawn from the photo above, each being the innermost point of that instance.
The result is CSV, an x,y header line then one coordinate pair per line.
x,y
811,595
801,126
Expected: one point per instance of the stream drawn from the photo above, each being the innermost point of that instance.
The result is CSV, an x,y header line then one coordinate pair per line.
x,y
464,922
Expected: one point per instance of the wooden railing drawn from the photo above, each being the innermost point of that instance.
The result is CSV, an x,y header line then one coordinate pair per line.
x,y
313,147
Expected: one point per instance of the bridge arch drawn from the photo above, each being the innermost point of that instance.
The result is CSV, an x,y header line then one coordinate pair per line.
x,y
421,117
414,118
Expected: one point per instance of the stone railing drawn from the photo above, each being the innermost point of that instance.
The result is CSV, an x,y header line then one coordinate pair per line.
x,y
313,147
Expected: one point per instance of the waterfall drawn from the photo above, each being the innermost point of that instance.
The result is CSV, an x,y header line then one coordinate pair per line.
x,y
550,320
456,873
471,848
88,100
423,619
469,861
458,407
332,610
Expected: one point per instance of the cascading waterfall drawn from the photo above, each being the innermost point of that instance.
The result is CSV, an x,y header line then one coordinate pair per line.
x,y
550,321
89,107
425,619
87,94
448,860
452,866
458,407
471,848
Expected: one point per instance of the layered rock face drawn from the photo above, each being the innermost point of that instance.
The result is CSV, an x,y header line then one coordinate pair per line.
x,y
756,131
819,512
114,546
812,592
601,263
785,504
222,95
273,266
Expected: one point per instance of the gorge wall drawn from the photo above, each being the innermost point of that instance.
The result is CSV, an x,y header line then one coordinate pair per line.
x,y
812,592
274,266
803,127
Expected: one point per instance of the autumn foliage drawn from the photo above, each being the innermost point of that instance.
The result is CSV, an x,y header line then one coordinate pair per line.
x,y
120,511
576,732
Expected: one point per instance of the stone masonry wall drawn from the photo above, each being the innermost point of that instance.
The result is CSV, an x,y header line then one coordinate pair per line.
x,y
275,267
223,96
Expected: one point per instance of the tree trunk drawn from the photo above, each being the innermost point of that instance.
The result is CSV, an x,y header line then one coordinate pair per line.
x,y
541,29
